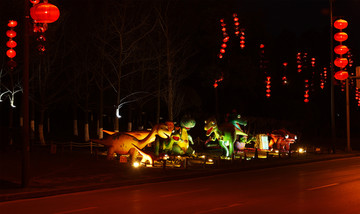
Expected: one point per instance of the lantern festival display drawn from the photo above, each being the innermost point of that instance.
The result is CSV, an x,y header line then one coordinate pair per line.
x,y
11,44
341,62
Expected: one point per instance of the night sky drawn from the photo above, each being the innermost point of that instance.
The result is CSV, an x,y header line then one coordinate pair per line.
x,y
284,27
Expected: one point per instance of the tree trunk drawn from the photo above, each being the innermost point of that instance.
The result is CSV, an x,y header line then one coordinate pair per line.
x,y
41,128
86,127
101,113
75,123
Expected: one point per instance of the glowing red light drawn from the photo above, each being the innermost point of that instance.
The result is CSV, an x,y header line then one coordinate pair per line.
x,y
306,100
11,53
268,95
223,45
11,44
341,75
222,50
262,45
12,23
242,46
341,49
10,33
215,85
341,62
220,56
44,13
340,24
340,36
35,1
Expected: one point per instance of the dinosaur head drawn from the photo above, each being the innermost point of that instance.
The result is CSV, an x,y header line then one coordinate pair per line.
x,y
187,122
164,130
210,126
175,136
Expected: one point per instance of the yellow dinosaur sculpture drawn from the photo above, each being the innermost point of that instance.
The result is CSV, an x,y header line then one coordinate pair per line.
x,y
122,143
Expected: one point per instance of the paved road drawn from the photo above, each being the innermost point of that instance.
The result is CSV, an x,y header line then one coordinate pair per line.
x,y
321,187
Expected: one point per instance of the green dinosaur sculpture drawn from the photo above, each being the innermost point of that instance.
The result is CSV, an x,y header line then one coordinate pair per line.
x,y
178,143
225,134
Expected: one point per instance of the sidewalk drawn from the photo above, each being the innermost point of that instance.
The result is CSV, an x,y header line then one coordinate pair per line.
x,y
67,172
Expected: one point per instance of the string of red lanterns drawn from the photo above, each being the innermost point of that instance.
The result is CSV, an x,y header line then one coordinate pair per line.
x,y
42,14
341,62
284,78
306,95
225,39
11,44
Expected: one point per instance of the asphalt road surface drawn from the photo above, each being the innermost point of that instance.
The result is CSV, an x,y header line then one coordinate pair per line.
x,y
321,187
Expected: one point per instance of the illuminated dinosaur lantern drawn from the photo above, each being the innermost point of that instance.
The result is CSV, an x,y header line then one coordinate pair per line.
x,y
179,142
224,133
122,143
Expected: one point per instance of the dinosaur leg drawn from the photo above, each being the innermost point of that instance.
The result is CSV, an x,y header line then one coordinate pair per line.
x,y
110,153
133,154
223,145
176,149
157,146
231,147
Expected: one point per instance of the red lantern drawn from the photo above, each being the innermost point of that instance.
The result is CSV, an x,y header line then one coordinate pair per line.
x,y
10,33
11,44
223,45
44,13
11,53
222,50
341,75
306,100
340,36
11,64
12,23
341,49
340,24
341,62
35,1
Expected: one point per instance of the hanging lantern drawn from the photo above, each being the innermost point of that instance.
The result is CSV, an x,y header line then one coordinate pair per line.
x,y
341,62
341,36
306,100
222,50
220,56
11,53
11,44
341,75
11,64
44,13
340,24
12,23
10,33
34,1
223,45
341,49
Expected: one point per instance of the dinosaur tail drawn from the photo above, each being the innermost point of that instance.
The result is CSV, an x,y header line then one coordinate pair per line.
x,y
109,132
